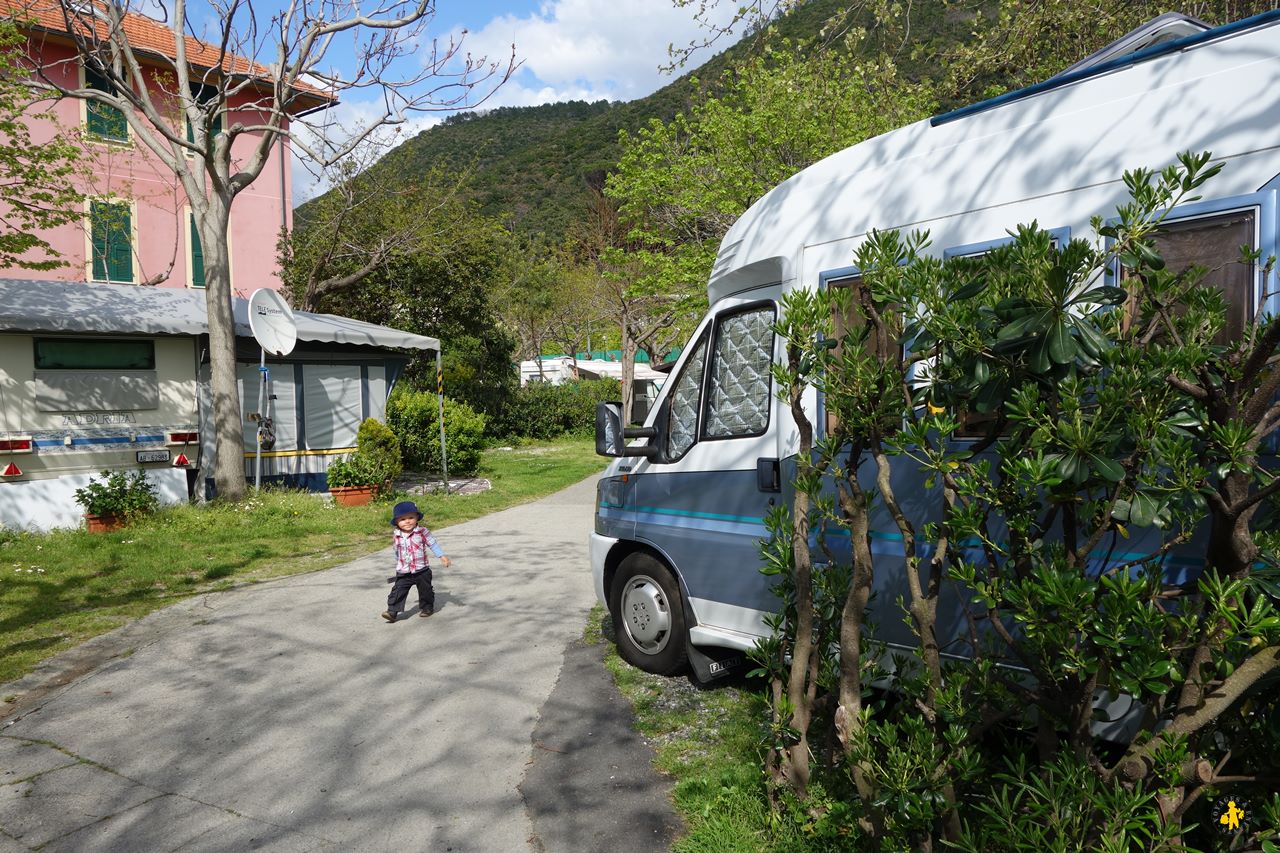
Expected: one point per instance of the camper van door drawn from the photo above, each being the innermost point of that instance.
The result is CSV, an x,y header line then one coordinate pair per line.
x,y
701,502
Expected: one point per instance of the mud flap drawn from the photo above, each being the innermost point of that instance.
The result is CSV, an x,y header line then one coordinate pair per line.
x,y
711,664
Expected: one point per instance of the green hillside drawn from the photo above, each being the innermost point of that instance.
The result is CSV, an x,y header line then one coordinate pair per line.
x,y
532,167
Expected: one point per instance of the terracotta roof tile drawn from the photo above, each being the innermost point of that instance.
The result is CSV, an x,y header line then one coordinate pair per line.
x,y
148,36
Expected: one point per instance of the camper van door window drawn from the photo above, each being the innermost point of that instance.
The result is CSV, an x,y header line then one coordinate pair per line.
x,y
738,396
685,397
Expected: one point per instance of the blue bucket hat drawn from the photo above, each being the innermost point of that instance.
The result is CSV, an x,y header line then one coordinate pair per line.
x,y
405,508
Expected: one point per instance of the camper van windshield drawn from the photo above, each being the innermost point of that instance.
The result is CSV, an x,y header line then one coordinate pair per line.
x,y
94,354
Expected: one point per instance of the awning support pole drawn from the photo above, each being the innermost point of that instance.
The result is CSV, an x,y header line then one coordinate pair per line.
x,y
262,393
444,459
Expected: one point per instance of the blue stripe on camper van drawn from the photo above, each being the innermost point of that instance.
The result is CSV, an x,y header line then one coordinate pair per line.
x,y
708,525
89,441
1119,62
1176,569
705,521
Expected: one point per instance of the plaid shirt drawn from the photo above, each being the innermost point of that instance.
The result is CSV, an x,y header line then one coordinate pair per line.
x,y
411,549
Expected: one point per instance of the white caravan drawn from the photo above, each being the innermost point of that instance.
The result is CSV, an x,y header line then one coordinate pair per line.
x,y
680,516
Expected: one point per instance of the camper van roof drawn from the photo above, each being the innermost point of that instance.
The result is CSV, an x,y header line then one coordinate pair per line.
x,y
1056,159
1168,33
59,306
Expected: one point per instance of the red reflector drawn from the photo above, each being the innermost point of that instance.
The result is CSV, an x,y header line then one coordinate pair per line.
x,y
181,461
11,470
15,444
184,438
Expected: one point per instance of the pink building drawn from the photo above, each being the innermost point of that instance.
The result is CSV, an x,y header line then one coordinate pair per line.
x,y
137,226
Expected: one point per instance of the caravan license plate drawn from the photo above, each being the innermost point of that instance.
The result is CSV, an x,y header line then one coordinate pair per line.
x,y
153,456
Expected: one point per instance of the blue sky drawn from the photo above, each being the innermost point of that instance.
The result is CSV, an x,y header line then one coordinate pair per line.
x,y
570,50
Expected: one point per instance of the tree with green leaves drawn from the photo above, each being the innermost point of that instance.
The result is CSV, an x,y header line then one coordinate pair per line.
x,y
680,185
364,224
437,266
1115,428
36,187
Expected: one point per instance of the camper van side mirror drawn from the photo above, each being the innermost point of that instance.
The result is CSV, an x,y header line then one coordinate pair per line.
x,y
611,436
609,429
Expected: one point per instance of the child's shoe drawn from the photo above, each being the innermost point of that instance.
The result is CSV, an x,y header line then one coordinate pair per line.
x,y
388,615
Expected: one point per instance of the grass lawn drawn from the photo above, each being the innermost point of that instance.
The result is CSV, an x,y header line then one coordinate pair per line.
x,y
60,589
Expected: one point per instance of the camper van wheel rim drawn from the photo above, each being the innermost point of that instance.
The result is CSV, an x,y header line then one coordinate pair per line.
x,y
646,614
653,637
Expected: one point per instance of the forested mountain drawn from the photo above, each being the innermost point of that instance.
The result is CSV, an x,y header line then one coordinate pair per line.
x,y
532,167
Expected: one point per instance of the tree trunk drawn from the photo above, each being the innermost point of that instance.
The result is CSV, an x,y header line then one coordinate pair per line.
x,y
629,349
855,507
228,433
801,684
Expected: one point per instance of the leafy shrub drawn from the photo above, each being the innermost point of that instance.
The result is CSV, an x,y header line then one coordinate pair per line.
x,y
414,417
355,470
546,411
118,494
377,445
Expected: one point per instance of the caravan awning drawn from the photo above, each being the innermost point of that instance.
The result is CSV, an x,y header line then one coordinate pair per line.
x,y
27,305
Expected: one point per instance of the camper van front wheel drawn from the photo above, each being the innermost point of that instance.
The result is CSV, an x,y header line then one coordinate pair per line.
x,y
647,616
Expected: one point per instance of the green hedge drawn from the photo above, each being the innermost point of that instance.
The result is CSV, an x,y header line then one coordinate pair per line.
x,y
545,411
414,417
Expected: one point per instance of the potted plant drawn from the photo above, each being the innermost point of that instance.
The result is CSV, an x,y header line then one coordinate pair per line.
x,y
117,498
352,481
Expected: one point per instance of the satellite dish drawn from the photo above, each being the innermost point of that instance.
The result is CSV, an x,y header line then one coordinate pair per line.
x,y
272,322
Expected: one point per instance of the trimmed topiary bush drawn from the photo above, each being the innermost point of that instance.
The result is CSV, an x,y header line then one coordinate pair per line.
x,y
414,417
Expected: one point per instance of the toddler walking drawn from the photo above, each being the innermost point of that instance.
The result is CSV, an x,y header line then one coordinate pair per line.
x,y
412,541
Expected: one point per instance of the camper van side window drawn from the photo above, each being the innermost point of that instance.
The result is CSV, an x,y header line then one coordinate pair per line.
x,y
738,391
1214,243
683,426
843,323
94,354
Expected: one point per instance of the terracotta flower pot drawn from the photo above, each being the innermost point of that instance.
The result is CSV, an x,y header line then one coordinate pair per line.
x,y
104,523
352,495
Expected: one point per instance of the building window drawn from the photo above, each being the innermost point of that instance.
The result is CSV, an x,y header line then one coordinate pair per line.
x,y
197,254
205,95
111,230
94,354
102,120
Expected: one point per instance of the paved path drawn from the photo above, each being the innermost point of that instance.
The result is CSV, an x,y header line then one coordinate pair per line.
x,y
289,716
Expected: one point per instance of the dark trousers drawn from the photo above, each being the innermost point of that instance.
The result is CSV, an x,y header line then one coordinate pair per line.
x,y
399,592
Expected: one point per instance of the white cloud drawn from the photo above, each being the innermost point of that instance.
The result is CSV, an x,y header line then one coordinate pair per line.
x,y
590,49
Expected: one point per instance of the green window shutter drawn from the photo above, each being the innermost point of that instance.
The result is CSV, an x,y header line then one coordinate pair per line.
x,y
203,95
197,256
111,230
105,122
214,131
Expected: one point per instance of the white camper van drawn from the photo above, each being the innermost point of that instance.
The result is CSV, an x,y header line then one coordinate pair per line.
x,y
680,516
